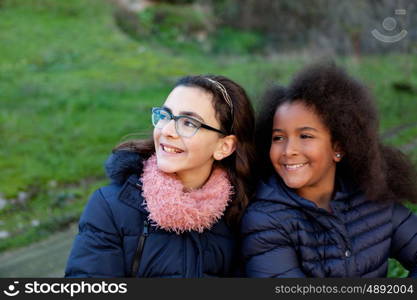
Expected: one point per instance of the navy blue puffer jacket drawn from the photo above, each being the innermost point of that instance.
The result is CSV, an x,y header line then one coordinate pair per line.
x,y
285,235
113,221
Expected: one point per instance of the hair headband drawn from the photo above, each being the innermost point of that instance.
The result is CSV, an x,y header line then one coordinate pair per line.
x,y
224,93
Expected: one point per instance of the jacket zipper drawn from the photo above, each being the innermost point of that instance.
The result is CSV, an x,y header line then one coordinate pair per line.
x,y
139,249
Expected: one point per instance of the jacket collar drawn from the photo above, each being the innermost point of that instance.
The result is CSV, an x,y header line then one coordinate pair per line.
x,y
122,164
131,193
274,189
124,168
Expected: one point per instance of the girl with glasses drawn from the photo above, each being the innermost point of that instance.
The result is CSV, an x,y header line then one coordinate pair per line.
x,y
175,200
329,201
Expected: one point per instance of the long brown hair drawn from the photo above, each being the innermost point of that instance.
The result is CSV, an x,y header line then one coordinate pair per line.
x,y
239,121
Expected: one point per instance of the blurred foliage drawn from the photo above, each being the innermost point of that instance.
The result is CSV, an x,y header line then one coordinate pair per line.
x,y
176,26
184,19
343,27
187,28
227,40
396,270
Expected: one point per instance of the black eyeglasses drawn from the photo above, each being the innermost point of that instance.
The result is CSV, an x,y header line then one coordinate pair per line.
x,y
184,125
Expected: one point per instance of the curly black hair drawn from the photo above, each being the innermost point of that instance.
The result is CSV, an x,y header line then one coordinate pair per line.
x,y
348,110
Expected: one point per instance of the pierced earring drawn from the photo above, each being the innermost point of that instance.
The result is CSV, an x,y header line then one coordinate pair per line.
x,y
338,155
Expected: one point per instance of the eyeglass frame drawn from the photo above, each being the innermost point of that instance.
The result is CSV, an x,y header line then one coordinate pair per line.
x,y
176,118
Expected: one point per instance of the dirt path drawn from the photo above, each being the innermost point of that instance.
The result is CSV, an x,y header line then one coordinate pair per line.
x,y
44,259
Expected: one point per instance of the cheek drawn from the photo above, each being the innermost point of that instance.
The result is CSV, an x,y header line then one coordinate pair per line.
x,y
156,135
322,155
274,153
200,147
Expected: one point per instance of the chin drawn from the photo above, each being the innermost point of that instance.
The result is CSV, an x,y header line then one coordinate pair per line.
x,y
166,166
294,184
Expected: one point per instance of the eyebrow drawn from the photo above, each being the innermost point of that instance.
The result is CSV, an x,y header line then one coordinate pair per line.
x,y
186,113
306,128
298,129
191,114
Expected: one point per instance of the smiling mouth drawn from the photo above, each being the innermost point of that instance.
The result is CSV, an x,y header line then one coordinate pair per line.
x,y
169,149
292,167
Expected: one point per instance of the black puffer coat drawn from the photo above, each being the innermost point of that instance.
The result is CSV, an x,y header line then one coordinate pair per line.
x,y
114,221
285,235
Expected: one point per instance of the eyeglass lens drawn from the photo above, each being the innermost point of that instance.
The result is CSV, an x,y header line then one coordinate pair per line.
x,y
184,125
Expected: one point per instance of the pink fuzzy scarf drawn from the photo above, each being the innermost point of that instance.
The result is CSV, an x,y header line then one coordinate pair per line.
x,y
173,209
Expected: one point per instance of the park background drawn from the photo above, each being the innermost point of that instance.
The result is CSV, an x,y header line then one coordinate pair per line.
x,y
79,76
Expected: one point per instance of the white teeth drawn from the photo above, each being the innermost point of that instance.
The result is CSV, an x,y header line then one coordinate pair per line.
x,y
170,150
293,167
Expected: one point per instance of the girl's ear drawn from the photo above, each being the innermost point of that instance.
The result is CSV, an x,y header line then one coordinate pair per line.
x,y
337,152
227,145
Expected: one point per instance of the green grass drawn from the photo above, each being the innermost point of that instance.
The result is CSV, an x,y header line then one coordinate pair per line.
x,y
72,85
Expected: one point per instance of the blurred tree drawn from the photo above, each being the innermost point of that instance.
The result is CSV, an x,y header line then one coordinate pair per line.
x,y
342,27
345,26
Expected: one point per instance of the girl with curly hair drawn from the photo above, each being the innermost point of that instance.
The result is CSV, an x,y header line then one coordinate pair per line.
x,y
329,199
174,201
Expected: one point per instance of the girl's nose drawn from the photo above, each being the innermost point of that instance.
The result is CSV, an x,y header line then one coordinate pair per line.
x,y
170,129
291,148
